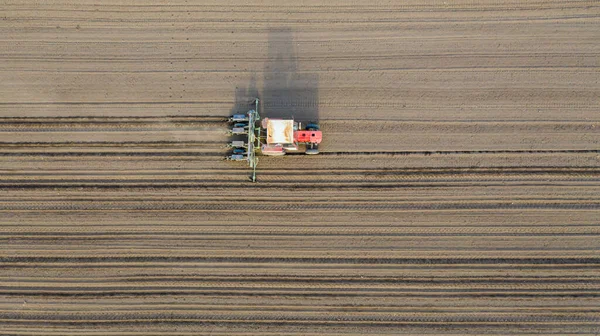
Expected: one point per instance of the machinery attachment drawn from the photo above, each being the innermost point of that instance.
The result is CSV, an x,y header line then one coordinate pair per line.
x,y
245,149
237,144
269,136
238,117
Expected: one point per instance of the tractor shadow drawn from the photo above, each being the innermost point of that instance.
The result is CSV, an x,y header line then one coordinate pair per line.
x,y
244,97
288,92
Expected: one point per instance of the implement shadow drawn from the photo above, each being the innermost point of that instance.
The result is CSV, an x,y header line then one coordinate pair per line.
x,y
287,92
244,101
244,97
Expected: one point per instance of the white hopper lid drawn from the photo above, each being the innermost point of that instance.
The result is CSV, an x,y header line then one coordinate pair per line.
x,y
280,131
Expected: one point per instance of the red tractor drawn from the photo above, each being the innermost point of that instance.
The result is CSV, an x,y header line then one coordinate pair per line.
x,y
268,136
284,136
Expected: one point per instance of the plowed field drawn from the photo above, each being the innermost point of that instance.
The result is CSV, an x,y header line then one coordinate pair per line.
x,y
457,190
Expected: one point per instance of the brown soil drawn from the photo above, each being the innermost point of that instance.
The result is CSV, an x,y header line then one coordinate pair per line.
x,y
457,191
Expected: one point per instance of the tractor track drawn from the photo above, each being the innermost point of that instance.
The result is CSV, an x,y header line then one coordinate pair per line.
x,y
278,178
415,174
244,8
210,184
222,150
403,153
305,206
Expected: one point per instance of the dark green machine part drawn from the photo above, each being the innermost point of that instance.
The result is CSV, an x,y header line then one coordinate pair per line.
x,y
253,138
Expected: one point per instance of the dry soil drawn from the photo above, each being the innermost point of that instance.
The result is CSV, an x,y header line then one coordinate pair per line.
x,y
458,189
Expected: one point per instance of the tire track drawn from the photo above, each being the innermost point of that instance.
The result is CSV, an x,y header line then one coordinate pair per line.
x,y
292,206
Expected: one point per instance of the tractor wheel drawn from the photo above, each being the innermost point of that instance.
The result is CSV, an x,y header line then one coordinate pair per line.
x,y
312,149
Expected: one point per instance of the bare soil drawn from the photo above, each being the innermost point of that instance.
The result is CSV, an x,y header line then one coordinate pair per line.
x,y
457,191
